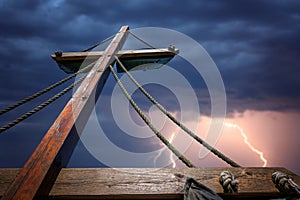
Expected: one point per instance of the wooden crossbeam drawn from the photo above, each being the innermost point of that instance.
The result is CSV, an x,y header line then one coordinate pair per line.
x,y
97,183
39,173
128,54
71,62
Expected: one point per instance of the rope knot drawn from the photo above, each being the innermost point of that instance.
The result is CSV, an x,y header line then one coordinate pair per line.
x,y
284,183
229,184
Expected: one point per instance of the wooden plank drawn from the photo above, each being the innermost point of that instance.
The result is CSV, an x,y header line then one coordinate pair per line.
x,y
7,175
40,171
80,56
95,183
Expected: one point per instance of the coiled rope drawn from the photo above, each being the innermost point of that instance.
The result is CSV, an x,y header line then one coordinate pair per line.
x,y
146,120
284,183
181,125
228,182
40,107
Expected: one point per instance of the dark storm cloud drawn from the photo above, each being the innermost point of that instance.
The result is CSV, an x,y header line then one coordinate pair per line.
x,y
256,47
265,68
255,44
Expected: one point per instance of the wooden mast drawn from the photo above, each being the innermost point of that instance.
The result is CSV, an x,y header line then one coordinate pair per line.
x,y
40,171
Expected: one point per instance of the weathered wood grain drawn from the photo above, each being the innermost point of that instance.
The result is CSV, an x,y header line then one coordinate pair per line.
x,y
104,183
7,175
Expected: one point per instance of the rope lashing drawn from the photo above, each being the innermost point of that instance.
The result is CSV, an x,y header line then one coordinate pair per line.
x,y
45,90
181,125
40,107
229,184
285,184
141,40
147,121
102,42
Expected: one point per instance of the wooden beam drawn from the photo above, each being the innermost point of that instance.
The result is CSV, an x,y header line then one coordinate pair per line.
x,y
89,183
80,56
40,171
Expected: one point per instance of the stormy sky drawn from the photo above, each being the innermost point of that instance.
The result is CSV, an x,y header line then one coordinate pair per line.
x,y
254,44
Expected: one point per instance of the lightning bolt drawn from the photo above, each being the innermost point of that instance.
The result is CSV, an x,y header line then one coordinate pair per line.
x,y
260,153
171,154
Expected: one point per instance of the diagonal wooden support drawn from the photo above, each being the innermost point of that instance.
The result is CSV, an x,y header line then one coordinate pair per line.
x,y
40,171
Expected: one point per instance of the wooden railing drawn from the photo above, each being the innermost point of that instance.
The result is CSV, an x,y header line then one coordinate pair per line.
x,y
108,183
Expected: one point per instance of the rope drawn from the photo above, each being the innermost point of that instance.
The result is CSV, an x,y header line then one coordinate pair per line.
x,y
229,184
181,125
102,42
40,107
141,40
146,120
44,90
285,184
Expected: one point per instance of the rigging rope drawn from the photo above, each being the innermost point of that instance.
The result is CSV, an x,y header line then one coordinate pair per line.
x,y
141,40
102,42
181,125
45,90
146,120
40,107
